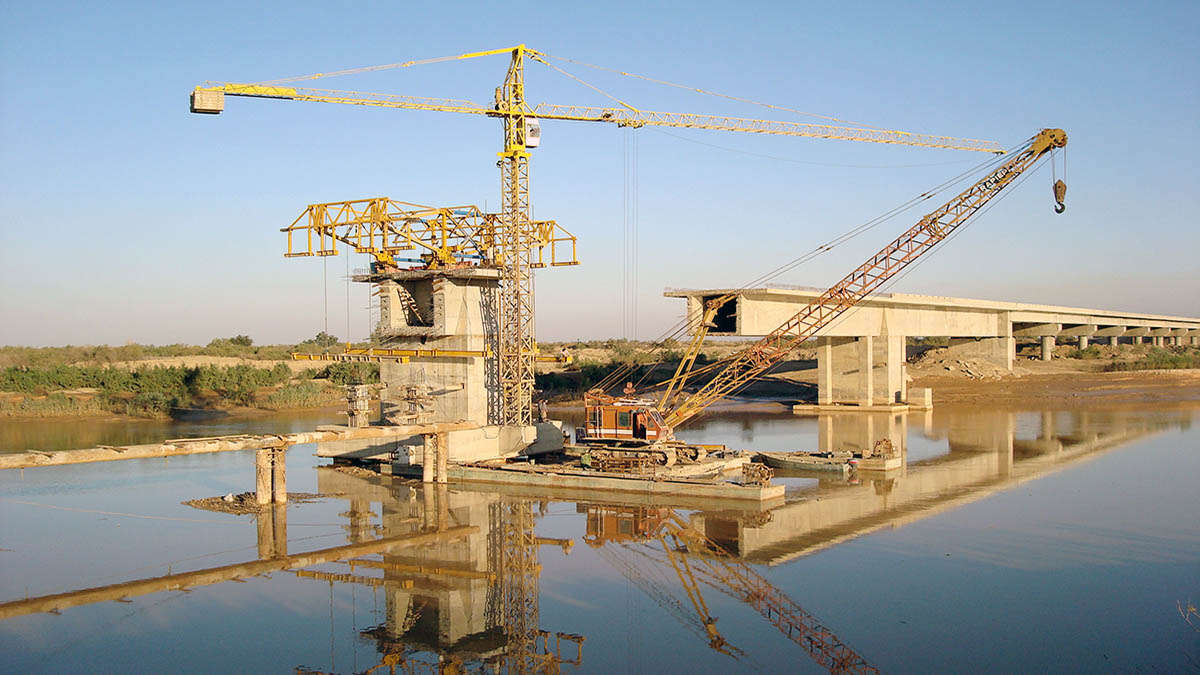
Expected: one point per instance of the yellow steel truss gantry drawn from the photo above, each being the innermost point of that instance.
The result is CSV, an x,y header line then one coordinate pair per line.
x,y
440,236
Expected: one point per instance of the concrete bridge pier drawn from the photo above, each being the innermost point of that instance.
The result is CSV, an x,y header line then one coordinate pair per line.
x,y
270,473
865,371
1047,347
1045,332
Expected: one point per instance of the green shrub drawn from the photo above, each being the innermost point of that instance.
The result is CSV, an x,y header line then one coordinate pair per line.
x,y
1159,359
347,372
304,395
1092,352
55,405
152,404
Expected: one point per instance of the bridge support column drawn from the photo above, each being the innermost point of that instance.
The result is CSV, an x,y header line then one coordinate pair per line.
x,y
1047,347
866,370
863,371
824,371
270,475
1083,342
888,378
1113,340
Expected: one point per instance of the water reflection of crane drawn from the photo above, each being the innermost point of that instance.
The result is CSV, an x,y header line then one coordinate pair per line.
x,y
509,639
694,558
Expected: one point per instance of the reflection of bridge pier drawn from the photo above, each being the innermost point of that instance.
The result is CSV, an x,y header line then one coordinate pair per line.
x,y
472,598
272,532
858,432
439,595
986,453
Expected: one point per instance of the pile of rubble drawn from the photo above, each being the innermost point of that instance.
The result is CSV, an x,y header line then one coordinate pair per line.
x,y
938,359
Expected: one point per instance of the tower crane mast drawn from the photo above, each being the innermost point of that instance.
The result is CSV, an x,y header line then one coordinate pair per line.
x,y
517,235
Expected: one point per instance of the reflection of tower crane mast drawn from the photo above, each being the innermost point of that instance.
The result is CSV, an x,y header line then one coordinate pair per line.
x,y
517,234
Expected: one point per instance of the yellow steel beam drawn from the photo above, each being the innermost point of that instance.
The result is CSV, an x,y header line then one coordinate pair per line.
x,y
404,355
384,227
423,569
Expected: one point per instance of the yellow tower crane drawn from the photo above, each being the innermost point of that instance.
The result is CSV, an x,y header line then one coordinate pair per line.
x,y
516,235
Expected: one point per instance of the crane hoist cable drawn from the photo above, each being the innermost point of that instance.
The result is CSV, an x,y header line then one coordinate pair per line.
x,y
706,92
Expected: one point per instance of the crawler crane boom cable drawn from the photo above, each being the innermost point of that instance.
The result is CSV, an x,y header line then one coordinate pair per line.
x,y
685,326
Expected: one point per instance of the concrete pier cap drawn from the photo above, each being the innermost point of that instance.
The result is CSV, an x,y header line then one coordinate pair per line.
x,y
860,357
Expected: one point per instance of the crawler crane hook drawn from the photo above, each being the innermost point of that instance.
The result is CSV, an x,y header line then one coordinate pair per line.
x,y
1060,193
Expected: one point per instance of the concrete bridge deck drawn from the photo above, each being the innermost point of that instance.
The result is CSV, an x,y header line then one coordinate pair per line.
x,y
860,357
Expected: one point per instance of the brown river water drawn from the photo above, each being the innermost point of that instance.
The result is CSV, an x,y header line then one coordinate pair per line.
x,y
1021,541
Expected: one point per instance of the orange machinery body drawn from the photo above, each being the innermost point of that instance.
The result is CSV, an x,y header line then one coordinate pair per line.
x,y
620,524
621,419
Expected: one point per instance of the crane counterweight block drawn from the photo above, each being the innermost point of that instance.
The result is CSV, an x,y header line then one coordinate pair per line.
x,y
207,101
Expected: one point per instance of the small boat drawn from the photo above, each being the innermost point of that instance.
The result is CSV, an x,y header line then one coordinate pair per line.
x,y
808,461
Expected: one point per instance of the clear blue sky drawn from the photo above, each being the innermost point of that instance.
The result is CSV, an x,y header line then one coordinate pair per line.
x,y
125,218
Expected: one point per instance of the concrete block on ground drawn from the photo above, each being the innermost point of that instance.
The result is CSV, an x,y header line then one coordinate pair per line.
x,y
997,351
920,398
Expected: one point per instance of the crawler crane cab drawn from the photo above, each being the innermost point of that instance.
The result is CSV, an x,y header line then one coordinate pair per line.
x,y
618,420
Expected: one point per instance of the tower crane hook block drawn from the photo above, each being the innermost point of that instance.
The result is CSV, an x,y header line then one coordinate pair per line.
x,y
1060,194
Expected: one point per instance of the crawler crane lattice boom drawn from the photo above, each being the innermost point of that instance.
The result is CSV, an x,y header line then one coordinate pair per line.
x,y
659,423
